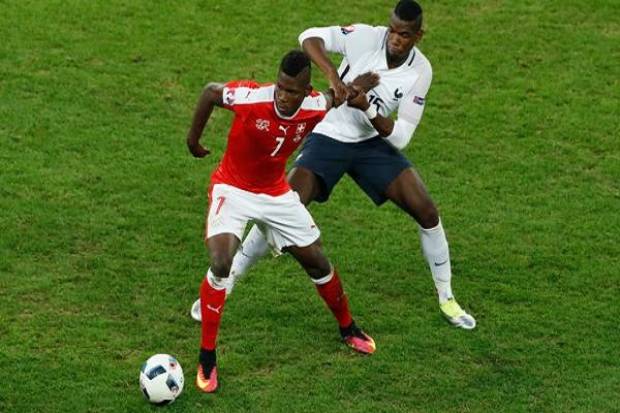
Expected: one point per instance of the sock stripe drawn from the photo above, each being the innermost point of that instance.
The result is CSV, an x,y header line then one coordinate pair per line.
x,y
324,280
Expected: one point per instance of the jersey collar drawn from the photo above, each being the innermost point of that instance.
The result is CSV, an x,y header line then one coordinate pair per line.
x,y
280,115
406,63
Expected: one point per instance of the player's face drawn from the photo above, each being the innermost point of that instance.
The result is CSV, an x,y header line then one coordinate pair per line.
x,y
401,37
290,92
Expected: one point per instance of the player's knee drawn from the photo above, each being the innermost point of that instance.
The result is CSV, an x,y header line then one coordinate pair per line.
x,y
220,265
315,263
316,273
319,269
428,216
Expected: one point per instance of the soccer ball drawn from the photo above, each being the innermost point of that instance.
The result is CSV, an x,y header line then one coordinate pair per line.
x,y
161,379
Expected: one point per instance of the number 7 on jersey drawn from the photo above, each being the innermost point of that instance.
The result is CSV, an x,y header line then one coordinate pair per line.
x,y
280,142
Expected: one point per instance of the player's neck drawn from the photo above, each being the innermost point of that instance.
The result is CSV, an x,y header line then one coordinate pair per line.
x,y
395,61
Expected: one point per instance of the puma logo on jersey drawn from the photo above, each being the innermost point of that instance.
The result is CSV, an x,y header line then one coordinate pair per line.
x,y
283,128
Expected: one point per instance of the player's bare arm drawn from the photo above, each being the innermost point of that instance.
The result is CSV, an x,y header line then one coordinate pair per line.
x,y
315,49
366,82
211,96
384,126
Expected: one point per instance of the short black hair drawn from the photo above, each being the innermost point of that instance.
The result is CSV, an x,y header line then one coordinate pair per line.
x,y
409,11
295,62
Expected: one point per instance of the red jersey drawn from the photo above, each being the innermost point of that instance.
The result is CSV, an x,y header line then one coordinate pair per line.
x,y
261,139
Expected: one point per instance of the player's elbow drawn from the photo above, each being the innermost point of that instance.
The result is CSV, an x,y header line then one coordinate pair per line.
x,y
309,38
303,37
210,89
401,134
212,94
311,43
384,133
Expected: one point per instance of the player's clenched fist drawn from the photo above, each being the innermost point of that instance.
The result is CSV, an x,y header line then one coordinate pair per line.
x,y
365,81
197,150
357,98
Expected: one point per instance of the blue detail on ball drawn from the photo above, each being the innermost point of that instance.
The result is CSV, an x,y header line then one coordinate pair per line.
x,y
172,384
156,372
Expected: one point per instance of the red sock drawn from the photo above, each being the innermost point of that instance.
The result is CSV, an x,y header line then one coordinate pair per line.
x,y
336,300
211,307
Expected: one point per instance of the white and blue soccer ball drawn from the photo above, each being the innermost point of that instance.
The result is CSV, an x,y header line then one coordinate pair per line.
x,y
161,379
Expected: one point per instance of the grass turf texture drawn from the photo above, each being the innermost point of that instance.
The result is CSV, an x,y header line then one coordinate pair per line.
x,y
102,214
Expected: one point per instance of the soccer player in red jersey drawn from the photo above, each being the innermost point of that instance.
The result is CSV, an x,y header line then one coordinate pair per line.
x,y
365,137
270,121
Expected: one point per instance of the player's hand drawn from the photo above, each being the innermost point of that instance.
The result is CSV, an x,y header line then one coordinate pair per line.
x,y
197,149
340,91
357,98
365,81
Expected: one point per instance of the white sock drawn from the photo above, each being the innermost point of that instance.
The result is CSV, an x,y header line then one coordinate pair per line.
x,y
253,248
216,282
435,249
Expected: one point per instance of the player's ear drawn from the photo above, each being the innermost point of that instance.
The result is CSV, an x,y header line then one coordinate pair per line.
x,y
419,34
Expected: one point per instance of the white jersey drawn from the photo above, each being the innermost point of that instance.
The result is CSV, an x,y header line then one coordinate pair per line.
x,y
402,88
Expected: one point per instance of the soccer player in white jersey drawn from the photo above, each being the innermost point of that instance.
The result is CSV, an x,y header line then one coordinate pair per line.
x,y
361,139
270,122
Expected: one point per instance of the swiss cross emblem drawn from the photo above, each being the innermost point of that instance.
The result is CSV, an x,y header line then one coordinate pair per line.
x,y
299,132
262,124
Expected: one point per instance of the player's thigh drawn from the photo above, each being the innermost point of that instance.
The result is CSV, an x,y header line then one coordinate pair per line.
x,y
229,212
305,183
328,159
408,191
376,165
288,223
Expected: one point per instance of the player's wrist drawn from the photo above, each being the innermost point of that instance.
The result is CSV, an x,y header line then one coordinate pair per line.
x,y
371,112
330,93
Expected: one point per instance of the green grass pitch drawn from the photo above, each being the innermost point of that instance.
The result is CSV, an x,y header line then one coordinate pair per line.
x,y
101,214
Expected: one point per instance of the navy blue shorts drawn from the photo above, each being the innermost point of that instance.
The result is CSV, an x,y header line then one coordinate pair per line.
x,y
373,164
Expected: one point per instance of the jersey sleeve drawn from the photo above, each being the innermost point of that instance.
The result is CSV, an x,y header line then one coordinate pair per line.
x,y
315,101
350,41
315,106
412,106
237,90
